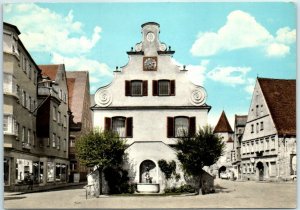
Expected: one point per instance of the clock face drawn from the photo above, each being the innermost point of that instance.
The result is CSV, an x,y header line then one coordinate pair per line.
x,y
150,36
150,63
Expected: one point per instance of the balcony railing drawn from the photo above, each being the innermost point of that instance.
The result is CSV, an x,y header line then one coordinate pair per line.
x,y
26,145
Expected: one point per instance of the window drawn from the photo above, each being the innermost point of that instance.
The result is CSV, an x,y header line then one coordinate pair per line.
x,y
58,143
257,110
273,143
65,145
24,98
54,113
58,117
261,126
5,123
72,143
118,125
50,171
261,148
163,87
181,126
257,127
65,121
60,94
29,106
252,146
34,138
23,134
136,88
9,84
53,140
252,128
28,136
177,125
267,145
122,125
29,71
35,77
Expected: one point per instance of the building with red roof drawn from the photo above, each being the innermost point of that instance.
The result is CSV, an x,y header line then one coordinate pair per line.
x,y
268,149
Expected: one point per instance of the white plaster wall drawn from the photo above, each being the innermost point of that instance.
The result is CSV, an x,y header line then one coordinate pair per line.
x,y
154,151
264,116
150,125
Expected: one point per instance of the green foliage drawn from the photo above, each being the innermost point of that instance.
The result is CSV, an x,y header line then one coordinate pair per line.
x,y
181,189
167,168
202,149
117,180
100,149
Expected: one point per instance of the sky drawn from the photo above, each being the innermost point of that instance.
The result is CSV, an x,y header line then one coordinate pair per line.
x,y
225,46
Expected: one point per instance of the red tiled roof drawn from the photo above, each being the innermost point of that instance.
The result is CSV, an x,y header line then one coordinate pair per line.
x,y
223,125
280,96
49,70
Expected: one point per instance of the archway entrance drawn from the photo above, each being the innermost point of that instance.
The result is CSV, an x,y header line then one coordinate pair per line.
x,y
222,169
148,172
260,167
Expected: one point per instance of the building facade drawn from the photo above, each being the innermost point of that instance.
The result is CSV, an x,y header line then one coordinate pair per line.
x,y
268,149
149,103
224,130
239,127
53,116
19,105
27,99
81,120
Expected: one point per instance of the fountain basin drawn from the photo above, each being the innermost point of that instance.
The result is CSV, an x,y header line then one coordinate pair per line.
x,y
147,188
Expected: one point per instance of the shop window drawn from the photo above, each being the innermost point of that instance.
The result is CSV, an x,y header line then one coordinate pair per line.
x,y
57,172
35,171
50,171
63,176
41,172
6,164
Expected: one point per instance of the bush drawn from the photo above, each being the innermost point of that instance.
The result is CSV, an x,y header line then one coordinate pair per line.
x,y
182,189
117,180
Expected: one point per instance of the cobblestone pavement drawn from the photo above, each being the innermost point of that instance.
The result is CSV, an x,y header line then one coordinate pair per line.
x,y
229,194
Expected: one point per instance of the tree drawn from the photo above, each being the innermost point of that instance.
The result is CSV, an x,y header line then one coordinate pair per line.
x,y
100,149
195,152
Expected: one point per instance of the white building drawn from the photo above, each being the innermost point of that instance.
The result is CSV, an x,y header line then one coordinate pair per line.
x,y
150,102
268,149
224,130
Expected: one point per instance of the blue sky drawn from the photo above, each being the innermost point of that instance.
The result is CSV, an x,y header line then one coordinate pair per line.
x,y
225,46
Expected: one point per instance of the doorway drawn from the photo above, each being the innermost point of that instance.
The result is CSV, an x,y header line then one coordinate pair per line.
x,y
260,167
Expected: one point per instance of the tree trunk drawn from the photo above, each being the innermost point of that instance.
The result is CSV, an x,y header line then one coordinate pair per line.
x,y
100,180
199,189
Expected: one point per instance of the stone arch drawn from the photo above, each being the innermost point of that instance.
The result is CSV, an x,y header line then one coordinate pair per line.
x,y
221,169
260,168
148,168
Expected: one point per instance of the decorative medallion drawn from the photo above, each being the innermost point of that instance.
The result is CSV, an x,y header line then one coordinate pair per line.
x,y
150,36
150,63
198,96
138,47
162,47
103,98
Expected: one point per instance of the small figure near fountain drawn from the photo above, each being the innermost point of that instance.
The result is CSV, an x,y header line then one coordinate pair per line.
x,y
147,176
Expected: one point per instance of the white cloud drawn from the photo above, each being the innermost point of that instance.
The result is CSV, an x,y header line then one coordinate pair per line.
x,y
195,73
286,35
241,31
81,63
229,75
277,50
43,30
250,85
